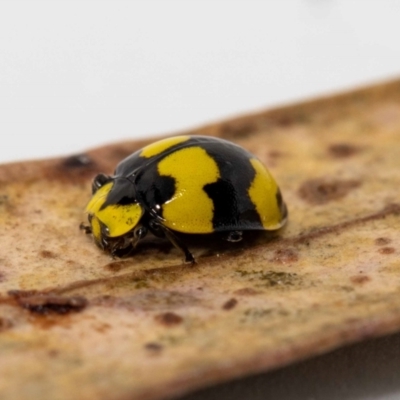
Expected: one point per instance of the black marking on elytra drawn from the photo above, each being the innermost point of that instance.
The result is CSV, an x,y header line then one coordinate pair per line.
x,y
223,195
250,219
230,194
153,190
122,193
281,204
131,164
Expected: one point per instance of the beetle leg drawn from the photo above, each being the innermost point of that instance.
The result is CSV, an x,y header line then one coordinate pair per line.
x,y
174,240
85,228
179,245
234,236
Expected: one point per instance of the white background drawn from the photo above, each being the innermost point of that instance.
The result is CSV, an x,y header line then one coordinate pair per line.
x,y
79,74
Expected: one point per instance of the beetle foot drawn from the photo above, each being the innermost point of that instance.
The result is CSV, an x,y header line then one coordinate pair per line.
x,y
86,228
189,259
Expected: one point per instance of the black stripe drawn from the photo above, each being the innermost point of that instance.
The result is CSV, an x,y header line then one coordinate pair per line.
x,y
281,204
154,190
233,208
122,193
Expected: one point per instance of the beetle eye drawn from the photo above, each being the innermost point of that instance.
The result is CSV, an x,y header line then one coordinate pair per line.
x,y
99,181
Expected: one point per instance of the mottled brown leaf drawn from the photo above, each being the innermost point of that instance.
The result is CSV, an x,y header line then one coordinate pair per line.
x,y
75,323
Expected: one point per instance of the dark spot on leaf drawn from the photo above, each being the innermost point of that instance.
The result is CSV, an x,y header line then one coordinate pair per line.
x,y
386,250
342,150
360,279
154,347
53,353
77,169
169,319
381,241
102,327
40,303
274,154
285,256
392,208
231,303
5,324
289,118
237,129
4,199
116,266
78,161
285,120
47,254
2,276
321,191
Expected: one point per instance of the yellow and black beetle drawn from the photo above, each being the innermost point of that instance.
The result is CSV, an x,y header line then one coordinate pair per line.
x,y
187,184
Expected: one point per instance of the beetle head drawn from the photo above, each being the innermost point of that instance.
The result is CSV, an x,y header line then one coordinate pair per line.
x,y
113,212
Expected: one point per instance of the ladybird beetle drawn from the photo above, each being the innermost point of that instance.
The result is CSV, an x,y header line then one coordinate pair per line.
x,y
186,184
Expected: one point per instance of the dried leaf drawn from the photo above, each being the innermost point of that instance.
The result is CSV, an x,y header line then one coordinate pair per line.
x,y
75,323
